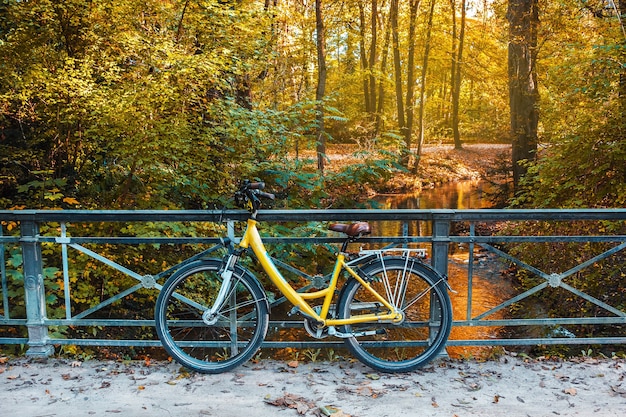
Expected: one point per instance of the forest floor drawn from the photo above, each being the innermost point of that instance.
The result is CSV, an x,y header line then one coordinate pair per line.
x,y
438,164
511,386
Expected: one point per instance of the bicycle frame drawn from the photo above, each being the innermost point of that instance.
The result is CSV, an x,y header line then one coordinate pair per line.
x,y
252,239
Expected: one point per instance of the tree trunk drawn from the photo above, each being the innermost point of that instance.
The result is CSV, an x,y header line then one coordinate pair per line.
x,y
368,60
410,83
452,64
373,56
321,85
363,57
397,64
456,84
381,83
422,105
622,75
405,113
523,16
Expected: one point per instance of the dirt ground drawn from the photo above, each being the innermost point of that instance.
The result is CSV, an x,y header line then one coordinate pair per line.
x,y
438,164
511,387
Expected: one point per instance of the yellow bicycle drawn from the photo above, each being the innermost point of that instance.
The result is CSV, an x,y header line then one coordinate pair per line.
x,y
393,312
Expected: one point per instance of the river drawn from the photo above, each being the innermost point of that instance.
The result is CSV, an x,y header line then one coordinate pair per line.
x,y
489,289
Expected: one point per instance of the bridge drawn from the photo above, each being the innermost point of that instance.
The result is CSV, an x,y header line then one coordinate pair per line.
x,y
46,255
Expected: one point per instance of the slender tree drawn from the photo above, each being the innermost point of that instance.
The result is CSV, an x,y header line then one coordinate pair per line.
x,y
321,85
622,76
381,82
422,104
457,64
452,60
410,81
523,17
363,57
397,63
404,109
373,55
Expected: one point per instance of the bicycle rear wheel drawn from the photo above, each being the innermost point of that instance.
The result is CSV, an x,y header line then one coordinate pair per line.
x,y
220,346
421,295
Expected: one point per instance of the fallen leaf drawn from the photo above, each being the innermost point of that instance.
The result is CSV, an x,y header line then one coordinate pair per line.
x,y
617,389
328,410
141,387
76,364
293,364
331,411
496,398
570,391
366,392
373,376
12,377
363,391
300,404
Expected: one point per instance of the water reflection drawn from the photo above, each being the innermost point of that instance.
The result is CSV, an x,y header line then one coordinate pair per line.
x,y
488,287
458,195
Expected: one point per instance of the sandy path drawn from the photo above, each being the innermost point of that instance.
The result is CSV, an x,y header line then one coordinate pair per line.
x,y
509,387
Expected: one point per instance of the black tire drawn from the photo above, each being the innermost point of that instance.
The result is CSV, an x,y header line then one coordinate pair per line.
x,y
211,348
426,305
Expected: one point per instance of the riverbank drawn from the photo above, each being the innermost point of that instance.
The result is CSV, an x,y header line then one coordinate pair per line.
x,y
510,386
438,164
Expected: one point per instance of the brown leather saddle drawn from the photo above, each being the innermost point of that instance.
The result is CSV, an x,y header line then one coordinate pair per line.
x,y
353,229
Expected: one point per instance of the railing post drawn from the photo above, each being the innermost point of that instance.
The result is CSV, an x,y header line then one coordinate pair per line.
x,y
34,291
440,246
441,240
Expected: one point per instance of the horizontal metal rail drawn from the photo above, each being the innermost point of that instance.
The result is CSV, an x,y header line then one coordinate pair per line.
x,y
26,287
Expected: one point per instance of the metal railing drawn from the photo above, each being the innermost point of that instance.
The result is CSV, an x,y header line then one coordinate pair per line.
x,y
39,269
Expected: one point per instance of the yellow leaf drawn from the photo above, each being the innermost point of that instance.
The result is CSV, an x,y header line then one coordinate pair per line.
x,y
70,200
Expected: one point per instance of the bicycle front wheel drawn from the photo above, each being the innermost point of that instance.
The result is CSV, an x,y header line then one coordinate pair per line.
x,y
211,346
421,295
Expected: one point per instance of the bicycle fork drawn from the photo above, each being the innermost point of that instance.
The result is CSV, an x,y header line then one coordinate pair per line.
x,y
210,316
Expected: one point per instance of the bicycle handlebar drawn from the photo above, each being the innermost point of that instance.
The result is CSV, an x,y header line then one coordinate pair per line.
x,y
249,194
259,185
269,196
256,186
